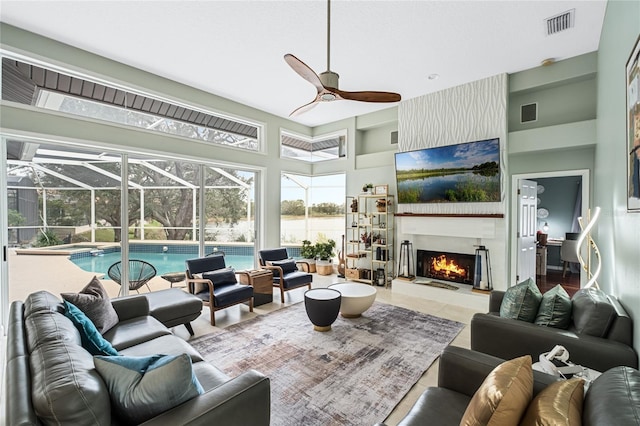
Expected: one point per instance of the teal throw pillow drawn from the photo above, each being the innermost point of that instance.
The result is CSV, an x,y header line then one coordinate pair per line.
x,y
91,339
555,308
521,301
141,388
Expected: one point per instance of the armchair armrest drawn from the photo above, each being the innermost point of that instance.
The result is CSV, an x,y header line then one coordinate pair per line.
x,y
463,370
189,282
277,270
507,338
244,400
128,307
305,263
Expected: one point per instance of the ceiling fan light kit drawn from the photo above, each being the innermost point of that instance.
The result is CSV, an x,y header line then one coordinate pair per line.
x,y
327,82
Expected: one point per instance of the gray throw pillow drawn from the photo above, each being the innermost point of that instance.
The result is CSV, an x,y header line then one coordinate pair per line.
x,y
521,301
592,312
140,388
555,309
94,302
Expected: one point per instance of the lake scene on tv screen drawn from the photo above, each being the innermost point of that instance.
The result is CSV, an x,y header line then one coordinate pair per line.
x,y
464,173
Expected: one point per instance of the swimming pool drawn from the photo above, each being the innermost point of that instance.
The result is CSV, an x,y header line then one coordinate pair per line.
x,y
163,262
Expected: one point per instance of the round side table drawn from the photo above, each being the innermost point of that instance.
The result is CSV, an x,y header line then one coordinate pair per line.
x,y
322,305
174,277
356,298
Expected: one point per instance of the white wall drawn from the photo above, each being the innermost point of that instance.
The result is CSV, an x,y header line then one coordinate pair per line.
x,y
617,232
470,112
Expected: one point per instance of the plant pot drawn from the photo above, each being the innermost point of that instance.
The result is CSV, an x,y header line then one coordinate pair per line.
x,y
324,267
312,264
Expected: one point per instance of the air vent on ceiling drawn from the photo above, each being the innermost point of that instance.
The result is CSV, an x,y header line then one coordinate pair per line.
x,y
394,137
561,22
529,113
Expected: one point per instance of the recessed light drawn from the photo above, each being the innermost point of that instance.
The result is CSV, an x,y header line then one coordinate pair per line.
x,y
433,76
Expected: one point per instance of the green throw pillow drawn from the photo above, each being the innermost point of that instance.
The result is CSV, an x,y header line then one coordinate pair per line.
x,y
521,301
555,308
141,388
90,337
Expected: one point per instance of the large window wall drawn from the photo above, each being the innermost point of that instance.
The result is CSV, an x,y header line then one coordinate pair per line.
x,y
67,215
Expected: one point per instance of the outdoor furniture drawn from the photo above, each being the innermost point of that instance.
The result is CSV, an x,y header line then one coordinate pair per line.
x,y
286,275
216,285
140,272
174,277
356,298
322,305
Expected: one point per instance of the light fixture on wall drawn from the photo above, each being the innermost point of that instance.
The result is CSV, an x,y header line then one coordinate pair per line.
x,y
545,227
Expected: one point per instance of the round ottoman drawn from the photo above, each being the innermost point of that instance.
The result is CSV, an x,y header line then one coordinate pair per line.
x,y
322,306
356,298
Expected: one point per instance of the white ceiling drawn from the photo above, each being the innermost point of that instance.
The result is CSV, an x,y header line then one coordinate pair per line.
x,y
235,48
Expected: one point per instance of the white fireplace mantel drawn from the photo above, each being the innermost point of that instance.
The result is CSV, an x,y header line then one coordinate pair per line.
x,y
462,227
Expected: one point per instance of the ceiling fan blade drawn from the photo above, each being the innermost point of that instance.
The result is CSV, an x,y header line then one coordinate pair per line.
x,y
304,71
304,108
369,96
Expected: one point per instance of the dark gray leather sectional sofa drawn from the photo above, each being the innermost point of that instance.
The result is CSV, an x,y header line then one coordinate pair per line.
x,y
612,399
51,378
600,335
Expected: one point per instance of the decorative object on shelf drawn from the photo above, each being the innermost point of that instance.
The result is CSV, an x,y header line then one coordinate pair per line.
x,y
592,276
341,261
381,189
405,265
354,205
381,204
366,187
633,128
366,239
380,278
543,213
482,279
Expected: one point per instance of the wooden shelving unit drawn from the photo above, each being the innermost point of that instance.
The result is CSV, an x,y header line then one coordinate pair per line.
x,y
369,232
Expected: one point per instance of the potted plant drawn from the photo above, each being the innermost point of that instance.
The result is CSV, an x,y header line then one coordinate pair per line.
x,y
324,253
366,187
308,254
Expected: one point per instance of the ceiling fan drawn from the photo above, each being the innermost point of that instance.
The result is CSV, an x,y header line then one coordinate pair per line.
x,y
327,82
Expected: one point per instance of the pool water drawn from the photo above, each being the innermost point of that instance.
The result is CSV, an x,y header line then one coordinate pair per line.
x,y
163,262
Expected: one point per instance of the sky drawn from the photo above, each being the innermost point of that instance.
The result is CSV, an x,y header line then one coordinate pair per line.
x,y
450,156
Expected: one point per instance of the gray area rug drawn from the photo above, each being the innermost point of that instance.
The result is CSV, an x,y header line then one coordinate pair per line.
x,y
354,374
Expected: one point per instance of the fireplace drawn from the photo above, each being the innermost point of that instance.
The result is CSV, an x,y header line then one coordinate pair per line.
x,y
439,265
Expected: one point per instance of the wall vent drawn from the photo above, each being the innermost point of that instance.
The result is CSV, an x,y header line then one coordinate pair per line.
x,y
561,22
394,137
529,113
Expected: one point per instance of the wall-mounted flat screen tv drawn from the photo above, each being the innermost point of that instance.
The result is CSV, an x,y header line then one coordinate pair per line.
x,y
465,172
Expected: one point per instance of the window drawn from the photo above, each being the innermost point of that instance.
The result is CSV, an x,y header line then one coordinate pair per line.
x,y
312,150
45,88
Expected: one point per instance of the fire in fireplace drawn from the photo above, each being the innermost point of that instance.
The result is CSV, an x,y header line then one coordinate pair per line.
x,y
454,267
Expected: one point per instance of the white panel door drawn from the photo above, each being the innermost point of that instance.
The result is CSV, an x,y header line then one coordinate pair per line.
x,y
526,237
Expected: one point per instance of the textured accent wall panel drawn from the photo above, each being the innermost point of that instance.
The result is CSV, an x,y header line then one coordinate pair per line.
x,y
466,113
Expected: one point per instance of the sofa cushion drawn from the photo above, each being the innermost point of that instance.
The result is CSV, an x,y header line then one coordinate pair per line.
x,y
555,308
94,301
135,331
42,301
592,312
521,301
91,339
168,345
65,387
559,404
503,396
140,388
613,398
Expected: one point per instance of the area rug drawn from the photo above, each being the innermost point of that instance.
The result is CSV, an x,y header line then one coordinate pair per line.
x,y
354,374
